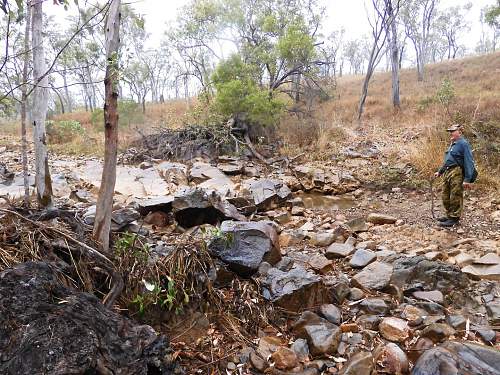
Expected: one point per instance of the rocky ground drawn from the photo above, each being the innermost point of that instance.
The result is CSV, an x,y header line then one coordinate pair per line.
x,y
339,270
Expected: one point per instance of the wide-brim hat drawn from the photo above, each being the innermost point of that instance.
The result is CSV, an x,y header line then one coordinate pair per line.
x,y
454,127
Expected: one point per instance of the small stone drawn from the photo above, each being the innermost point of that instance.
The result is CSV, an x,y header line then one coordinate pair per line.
x,y
379,219
422,344
457,321
231,366
307,227
438,332
374,306
369,245
463,259
392,359
370,322
320,264
362,258
394,329
355,294
298,211
301,349
339,250
488,335
331,313
376,275
349,327
359,364
257,362
413,315
493,310
284,358
434,296
268,345
322,239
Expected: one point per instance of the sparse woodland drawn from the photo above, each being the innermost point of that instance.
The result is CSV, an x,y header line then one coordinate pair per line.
x,y
251,193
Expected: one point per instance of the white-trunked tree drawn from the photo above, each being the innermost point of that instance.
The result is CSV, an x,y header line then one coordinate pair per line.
x,y
102,224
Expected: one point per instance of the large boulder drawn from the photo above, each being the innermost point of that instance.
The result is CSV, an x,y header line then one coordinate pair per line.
x,y
194,206
458,358
266,193
48,328
294,290
420,273
243,246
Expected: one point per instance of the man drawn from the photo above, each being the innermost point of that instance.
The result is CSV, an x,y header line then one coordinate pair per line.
x,y
457,171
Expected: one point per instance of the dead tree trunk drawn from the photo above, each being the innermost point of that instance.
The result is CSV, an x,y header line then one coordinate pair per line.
x,y
39,113
24,100
104,208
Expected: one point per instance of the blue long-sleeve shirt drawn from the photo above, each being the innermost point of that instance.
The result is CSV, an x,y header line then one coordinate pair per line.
x,y
459,153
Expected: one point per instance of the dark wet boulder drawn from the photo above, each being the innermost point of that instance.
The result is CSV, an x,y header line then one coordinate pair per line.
x,y
48,328
243,246
294,290
457,358
194,206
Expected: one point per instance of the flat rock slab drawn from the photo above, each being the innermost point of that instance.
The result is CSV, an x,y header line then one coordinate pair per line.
x,y
320,263
243,246
417,272
41,335
339,250
295,289
194,206
433,295
201,172
376,275
483,271
458,358
380,219
164,204
362,258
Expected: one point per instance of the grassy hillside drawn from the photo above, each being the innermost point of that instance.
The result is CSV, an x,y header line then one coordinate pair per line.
x,y
412,134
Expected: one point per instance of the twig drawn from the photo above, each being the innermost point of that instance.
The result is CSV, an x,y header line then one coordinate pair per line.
x,y
107,264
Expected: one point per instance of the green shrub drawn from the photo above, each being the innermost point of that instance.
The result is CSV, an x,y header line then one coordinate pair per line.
x,y
237,92
63,131
129,113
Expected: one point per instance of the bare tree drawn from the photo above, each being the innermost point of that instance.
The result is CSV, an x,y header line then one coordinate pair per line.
x,y
24,100
392,8
378,22
104,207
39,112
418,17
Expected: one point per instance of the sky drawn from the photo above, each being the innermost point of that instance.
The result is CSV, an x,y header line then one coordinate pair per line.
x,y
349,14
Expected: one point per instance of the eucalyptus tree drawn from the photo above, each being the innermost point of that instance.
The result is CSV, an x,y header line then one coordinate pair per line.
x,y
451,24
418,18
104,207
379,18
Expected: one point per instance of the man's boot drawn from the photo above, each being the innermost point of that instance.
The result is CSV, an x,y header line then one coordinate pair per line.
x,y
449,223
442,218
